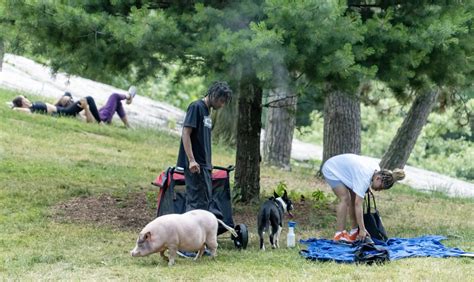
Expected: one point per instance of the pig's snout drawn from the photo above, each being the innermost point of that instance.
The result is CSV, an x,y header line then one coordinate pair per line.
x,y
135,253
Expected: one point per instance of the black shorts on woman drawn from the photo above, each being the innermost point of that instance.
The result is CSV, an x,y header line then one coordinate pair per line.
x,y
75,108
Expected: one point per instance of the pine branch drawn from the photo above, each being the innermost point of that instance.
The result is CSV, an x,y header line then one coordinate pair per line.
x,y
270,104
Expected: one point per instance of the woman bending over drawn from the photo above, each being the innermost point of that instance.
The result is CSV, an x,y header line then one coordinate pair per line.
x,y
350,176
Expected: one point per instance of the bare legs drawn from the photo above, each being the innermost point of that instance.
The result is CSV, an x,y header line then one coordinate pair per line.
x,y
344,197
352,210
125,121
87,112
90,109
345,206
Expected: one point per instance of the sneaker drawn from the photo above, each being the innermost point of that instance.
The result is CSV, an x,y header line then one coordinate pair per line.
x,y
132,92
186,254
353,236
342,237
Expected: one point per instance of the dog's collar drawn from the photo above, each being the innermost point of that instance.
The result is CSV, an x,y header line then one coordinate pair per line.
x,y
282,203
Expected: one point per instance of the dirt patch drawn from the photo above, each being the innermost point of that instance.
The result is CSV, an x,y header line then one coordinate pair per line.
x,y
135,210
131,213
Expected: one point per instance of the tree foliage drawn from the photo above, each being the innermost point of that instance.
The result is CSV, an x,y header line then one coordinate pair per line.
x,y
324,45
97,40
422,46
420,50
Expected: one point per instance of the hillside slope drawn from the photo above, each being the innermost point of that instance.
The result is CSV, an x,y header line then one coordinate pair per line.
x,y
25,75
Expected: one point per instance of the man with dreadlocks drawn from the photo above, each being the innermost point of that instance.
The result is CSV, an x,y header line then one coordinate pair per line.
x,y
195,149
350,176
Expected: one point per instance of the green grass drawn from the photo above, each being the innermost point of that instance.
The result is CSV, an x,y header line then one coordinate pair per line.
x,y
45,161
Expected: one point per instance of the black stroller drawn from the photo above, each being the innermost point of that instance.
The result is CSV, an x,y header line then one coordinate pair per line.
x,y
172,198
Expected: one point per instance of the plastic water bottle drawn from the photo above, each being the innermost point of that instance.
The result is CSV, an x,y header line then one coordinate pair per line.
x,y
290,238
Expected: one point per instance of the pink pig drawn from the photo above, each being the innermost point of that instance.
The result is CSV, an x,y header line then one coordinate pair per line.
x,y
191,231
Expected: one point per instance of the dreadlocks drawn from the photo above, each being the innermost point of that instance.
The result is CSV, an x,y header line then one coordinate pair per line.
x,y
218,90
389,177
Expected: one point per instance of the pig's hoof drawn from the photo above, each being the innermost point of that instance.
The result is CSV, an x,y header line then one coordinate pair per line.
x,y
170,263
162,254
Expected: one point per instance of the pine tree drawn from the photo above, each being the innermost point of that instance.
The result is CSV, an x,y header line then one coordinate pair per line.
x,y
421,49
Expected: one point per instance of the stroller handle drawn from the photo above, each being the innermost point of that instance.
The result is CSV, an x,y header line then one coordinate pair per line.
x,y
229,168
180,170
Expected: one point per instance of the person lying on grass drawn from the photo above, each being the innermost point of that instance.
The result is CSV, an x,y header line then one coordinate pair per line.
x,y
22,104
68,107
112,106
350,176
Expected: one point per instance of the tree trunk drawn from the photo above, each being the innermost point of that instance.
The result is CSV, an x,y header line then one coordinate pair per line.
x,y
280,124
341,125
405,139
247,164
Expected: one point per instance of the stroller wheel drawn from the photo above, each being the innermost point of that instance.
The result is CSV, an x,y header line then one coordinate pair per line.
x,y
242,239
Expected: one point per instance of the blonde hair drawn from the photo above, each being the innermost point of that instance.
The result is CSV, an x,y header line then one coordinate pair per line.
x,y
390,177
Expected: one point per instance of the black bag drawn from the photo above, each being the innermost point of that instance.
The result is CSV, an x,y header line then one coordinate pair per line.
x,y
372,220
369,253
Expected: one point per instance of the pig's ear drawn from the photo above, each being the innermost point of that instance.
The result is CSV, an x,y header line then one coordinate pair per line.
x,y
147,236
275,195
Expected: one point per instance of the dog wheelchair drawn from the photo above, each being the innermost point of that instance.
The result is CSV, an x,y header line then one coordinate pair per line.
x,y
172,198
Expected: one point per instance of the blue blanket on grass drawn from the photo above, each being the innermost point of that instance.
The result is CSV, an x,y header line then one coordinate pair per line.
x,y
398,248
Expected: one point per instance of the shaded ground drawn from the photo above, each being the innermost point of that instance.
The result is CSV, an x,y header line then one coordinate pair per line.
x,y
130,213
135,210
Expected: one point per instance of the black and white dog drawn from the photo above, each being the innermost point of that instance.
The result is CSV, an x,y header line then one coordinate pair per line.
x,y
271,212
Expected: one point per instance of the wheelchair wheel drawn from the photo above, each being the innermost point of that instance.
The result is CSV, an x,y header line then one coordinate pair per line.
x,y
242,239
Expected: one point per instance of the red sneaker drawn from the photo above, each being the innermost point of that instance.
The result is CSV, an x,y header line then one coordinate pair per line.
x,y
343,237
354,235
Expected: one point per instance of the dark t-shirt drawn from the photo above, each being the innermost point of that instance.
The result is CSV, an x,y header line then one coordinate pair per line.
x,y
198,118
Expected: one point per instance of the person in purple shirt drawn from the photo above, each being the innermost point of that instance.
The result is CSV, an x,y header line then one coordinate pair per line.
x,y
112,106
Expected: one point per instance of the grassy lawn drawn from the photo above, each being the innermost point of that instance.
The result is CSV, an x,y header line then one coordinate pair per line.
x,y
47,162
